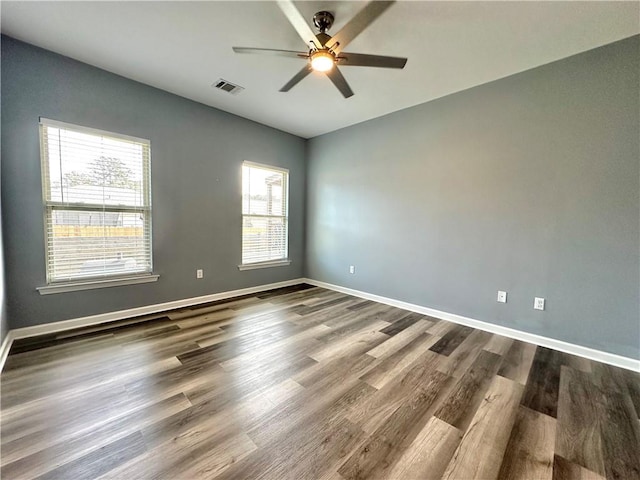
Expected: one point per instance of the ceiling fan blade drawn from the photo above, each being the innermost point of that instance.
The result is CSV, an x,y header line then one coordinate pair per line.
x,y
357,24
339,81
306,70
364,60
299,23
272,51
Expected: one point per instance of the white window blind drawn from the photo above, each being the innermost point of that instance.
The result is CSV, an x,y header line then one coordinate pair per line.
x,y
97,201
265,192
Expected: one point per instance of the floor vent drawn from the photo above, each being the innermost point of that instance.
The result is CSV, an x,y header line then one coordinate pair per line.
x,y
228,87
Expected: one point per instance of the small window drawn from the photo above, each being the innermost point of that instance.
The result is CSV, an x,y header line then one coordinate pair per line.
x,y
97,202
265,192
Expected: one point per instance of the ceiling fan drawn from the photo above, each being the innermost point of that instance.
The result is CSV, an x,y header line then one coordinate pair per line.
x,y
325,51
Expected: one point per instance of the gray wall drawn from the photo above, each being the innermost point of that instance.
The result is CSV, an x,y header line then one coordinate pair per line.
x,y
197,153
528,184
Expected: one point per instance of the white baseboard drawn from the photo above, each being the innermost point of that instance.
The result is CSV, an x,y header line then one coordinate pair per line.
x,y
63,325
590,353
4,349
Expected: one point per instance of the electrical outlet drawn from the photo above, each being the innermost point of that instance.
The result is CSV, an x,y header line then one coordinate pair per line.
x,y
502,296
199,273
352,269
538,303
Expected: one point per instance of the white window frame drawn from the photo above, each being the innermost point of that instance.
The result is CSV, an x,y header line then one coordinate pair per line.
x,y
104,280
276,262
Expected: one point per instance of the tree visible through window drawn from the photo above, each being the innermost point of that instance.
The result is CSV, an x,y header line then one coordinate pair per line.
x,y
264,213
97,202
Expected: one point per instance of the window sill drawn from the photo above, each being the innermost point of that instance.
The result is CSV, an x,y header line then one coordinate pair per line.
x,y
91,284
254,266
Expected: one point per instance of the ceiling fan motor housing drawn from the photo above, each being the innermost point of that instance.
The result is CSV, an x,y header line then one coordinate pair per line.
x,y
323,20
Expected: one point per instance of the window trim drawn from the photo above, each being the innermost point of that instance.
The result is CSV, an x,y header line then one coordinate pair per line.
x,y
280,262
268,264
63,287
92,131
101,281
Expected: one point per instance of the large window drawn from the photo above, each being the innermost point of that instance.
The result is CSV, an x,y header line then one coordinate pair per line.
x,y
97,203
264,215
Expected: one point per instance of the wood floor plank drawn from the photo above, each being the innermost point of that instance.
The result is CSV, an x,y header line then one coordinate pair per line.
x,y
259,379
461,404
217,459
340,315
83,387
440,328
619,429
106,403
565,470
578,363
498,344
463,357
427,456
100,461
54,357
204,459
632,380
286,291
295,340
304,453
409,383
451,340
609,379
400,325
362,304
482,448
543,383
324,385
210,420
325,456
295,297
376,312
40,351
397,432
349,365
398,340
305,409
530,451
369,335
578,438
389,368
252,408
306,310
306,435
30,455
353,323
517,361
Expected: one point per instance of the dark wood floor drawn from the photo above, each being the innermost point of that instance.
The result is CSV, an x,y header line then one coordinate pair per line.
x,y
305,383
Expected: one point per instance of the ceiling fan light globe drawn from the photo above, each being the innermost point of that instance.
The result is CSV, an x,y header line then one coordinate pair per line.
x,y
322,61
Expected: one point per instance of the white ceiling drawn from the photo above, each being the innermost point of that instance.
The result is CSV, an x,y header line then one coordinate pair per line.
x,y
184,47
